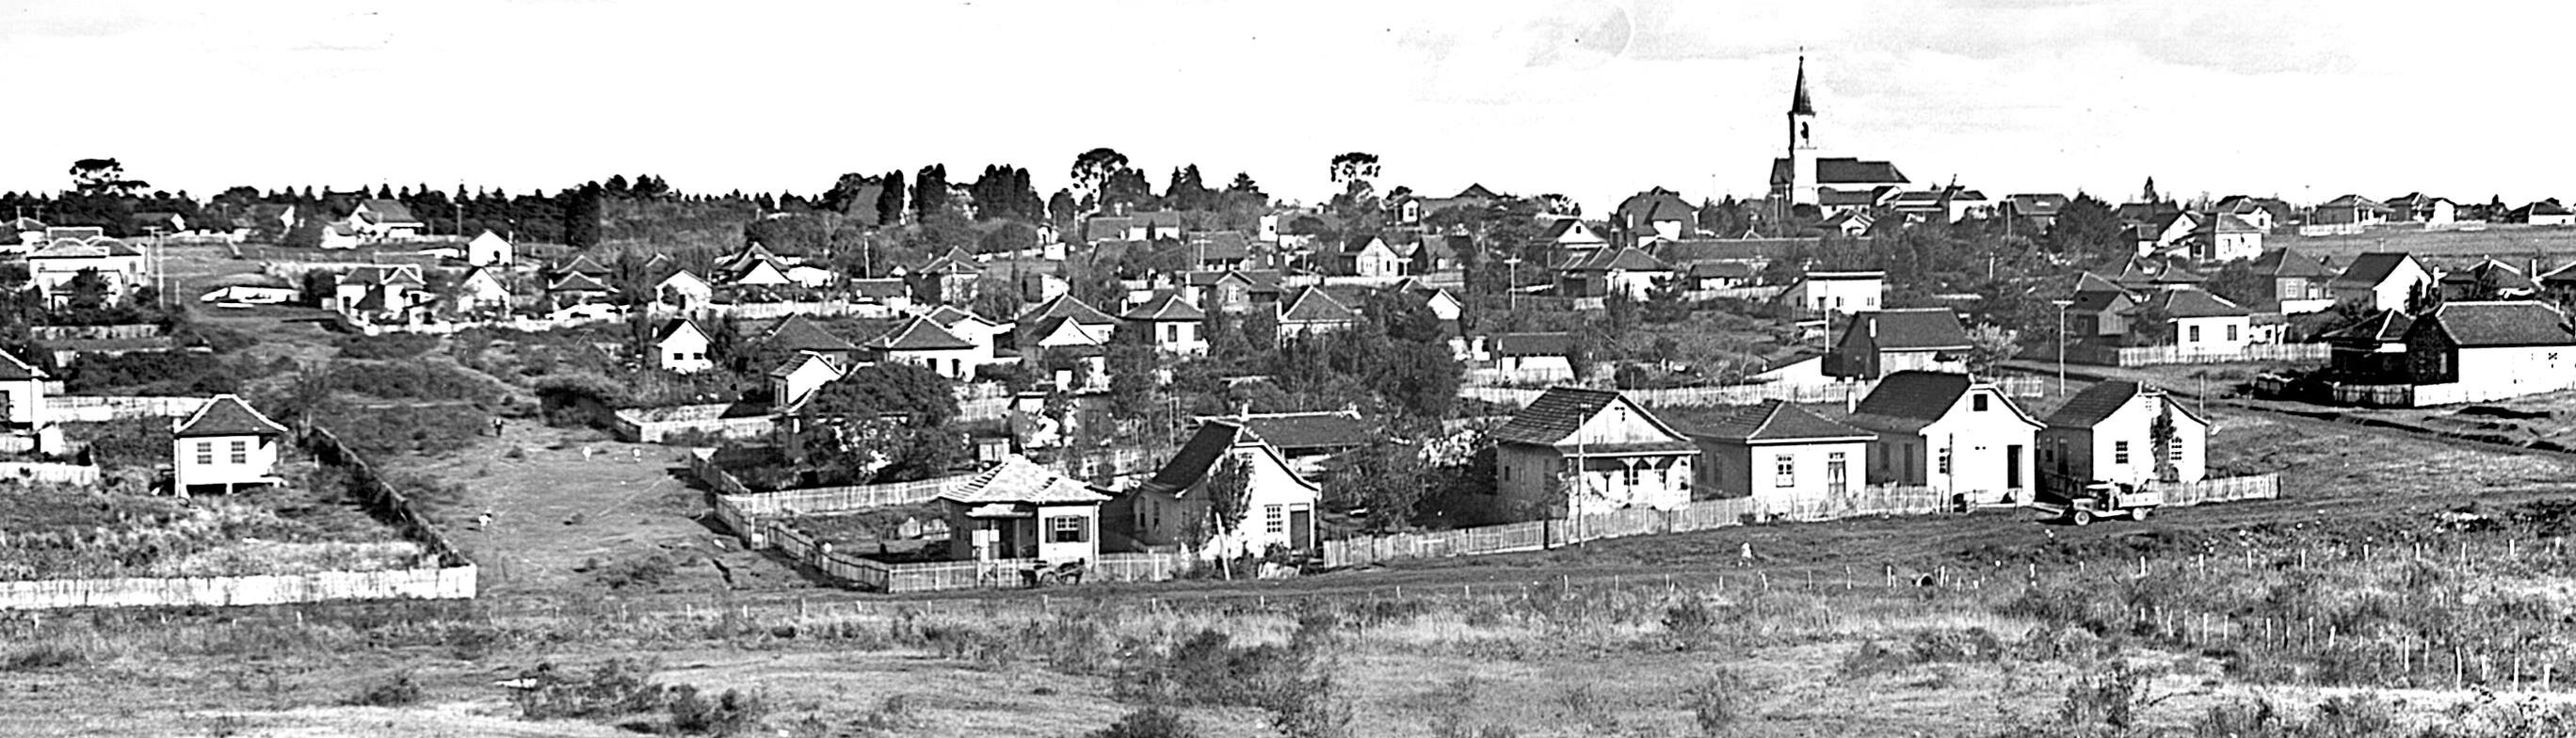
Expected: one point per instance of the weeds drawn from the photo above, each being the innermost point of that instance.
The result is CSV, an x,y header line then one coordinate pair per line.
x,y
1718,702
1150,722
397,690
42,656
731,713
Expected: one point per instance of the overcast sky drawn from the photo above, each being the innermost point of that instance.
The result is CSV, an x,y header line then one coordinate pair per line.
x,y
1592,98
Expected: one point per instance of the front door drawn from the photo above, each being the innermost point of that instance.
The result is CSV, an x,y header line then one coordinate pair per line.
x,y
1301,530
2012,467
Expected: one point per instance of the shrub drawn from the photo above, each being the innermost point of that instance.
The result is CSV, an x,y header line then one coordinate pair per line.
x,y
644,572
1151,722
895,713
1690,622
731,713
398,690
618,687
41,656
388,346
1719,701
153,373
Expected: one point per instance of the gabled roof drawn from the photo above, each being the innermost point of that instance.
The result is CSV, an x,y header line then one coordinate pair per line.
x,y
1475,191
2371,268
83,248
2096,404
1622,259
1843,170
1774,420
1557,229
1532,344
794,363
578,282
673,327
2287,262
2499,323
1222,245
2385,326
1912,329
1799,102
2036,204
948,316
227,415
1066,306
2225,223
2354,201
681,275
1166,307
2094,301
2090,282
2543,207
24,224
581,264
1314,305
797,333
2496,274
388,211
12,369
1906,401
1561,411
1656,204
394,274
1309,431
1192,461
920,333
2189,303
1019,481
880,289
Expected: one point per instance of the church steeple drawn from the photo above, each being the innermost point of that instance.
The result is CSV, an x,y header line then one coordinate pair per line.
x,y
1798,102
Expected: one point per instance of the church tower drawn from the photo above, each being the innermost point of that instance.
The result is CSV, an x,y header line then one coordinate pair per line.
x,y
1802,142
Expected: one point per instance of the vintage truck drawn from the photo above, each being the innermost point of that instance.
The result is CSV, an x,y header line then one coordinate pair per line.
x,y
2100,500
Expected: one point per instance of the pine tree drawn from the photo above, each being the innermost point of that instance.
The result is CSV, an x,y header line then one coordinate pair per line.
x,y
890,199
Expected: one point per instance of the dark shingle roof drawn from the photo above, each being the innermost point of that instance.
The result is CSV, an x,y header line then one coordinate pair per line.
x,y
1067,306
1914,329
1309,431
921,333
2503,323
2495,274
1192,461
1908,400
1625,259
2091,406
1774,420
672,327
1314,305
1654,205
1168,307
227,415
12,369
1561,411
797,333
2287,262
2190,303
2372,268
2387,326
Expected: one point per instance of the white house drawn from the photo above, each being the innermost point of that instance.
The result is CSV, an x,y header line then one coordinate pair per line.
x,y
1020,511
1173,507
684,291
2380,280
791,382
70,252
1878,343
490,249
1533,357
2492,350
481,291
2223,237
1847,293
224,444
1781,455
681,347
2194,321
1964,438
1172,324
920,341
2108,433
962,323
1370,257
1591,450
22,394
377,219
1626,271
1314,311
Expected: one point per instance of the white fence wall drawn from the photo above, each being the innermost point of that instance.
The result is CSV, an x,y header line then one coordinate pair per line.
x,y
99,409
401,584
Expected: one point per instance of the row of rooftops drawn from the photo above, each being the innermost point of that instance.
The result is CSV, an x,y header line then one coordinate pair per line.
x,y
1902,402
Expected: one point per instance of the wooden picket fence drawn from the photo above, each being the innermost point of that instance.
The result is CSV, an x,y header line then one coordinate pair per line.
x,y
1714,514
942,576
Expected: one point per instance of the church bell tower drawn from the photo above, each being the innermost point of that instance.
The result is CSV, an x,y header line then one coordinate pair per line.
x,y
1802,142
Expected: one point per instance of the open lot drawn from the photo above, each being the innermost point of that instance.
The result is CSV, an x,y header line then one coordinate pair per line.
x,y
2512,243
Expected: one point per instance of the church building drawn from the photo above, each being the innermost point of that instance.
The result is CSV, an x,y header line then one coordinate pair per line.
x,y
1831,184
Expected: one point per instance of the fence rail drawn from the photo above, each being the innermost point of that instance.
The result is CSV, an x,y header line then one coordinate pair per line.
x,y
100,409
1713,514
454,582
1742,394
2156,355
655,425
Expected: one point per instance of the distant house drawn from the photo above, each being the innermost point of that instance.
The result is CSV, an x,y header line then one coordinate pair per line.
x,y
1368,256
797,334
2299,284
2223,237
490,249
377,219
2543,213
2417,207
1628,271
1948,204
2380,280
1438,300
1721,275
1842,292
893,293
1173,507
1173,325
2032,213
984,333
684,291
1964,438
1533,357
579,289
1070,308
2492,350
224,444
2350,210
481,292
950,278
681,347
1573,235
22,402
2487,280
1781,455
1656,211
388,294
1882,342
2108,433
2165,233
1589,450
67,253
1021,511
2264,212
2191,321
1220,250
1315,311
920,341
1306,439
2371,350
797,378
2099,314
1231,291
1428,253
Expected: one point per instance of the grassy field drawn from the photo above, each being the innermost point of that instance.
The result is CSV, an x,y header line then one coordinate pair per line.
x,y
2512,243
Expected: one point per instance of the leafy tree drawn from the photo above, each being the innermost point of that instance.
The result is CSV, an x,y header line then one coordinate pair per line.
x,y
96,177
921,397
1127,187
318,287
89,292
2237,281
890,198
1356,165
1990,345
2423,298
2161,436
1385,478
1187,191
1228,487
1092,171
1060,209
930,193
2087,228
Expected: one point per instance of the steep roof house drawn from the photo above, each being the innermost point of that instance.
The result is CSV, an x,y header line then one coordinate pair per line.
x,y
377,219
2350,210
224,444
679,346
1961,437
2371,350
1657,211
489,249
797,334
2487,280
2543,213
2121,431
796,379
480,292
1878,343
2224,237
2192,321
2417,207
1315,311
1782,455
922,342
684,291
1173,325
2381,280
1533,357
1589,450
1626,270
2300,284
2490,351
1174,507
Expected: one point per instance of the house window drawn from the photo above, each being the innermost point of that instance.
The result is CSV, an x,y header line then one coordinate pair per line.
x,y
1628,476
206,453
2231,333
1977,403
1785,471
1171,334
2194,332
1943,462
1066,529
241,452
1274,519
2173,452
2119,452
1837,475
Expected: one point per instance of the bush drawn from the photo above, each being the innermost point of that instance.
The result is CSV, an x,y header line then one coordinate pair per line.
x,y
413,380
42,656
1718,702
388,346
644,572
729,714
153,373
386,431
398,690
1151,722
618,687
